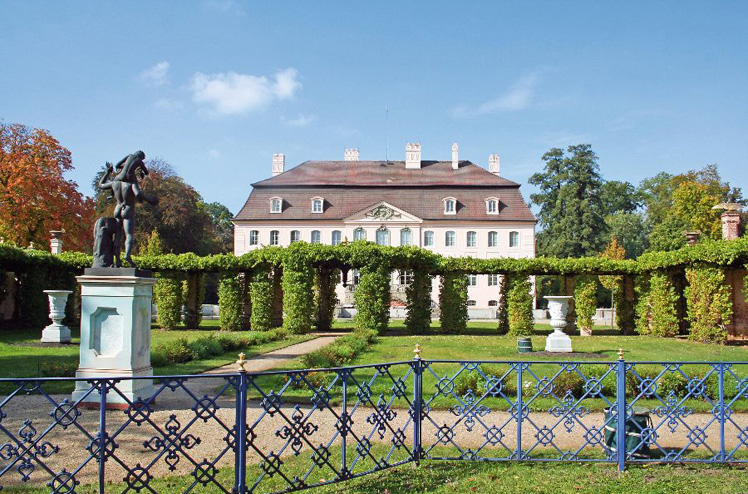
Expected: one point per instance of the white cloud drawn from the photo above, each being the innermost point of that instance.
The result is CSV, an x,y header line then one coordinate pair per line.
x,y
230,93
156,75
518,97
299,120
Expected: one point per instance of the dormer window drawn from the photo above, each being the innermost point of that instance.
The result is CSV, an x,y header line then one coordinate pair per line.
x,y
276,205
318,205
450,205
492,205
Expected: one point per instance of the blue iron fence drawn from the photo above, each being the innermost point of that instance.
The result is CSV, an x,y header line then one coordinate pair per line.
x,y
290,430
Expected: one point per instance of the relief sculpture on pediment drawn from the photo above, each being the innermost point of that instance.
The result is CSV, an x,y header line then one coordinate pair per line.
x,y
382,212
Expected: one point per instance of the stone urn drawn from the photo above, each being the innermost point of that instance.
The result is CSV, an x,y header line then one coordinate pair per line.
x,y
57,332
558,341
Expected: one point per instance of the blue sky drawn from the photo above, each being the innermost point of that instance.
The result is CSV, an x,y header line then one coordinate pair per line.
x,y
215,87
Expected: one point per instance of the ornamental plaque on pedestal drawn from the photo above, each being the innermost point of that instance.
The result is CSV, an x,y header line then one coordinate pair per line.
x,y
115,333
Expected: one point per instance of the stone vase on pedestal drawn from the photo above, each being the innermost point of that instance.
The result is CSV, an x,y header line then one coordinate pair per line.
x,y
558,341
57,332
115,333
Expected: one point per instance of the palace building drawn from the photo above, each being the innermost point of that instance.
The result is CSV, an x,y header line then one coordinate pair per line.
x,y
454,208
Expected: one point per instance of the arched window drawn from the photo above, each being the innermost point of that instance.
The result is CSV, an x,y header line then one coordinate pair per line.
x,y
316,237
428,238
449,239
254,237
472,239
336,237
274,237
513,239
295,236
471,303
318,205
359,234
276,205
493,303
450,205
493,239
492,205
405,236
383,236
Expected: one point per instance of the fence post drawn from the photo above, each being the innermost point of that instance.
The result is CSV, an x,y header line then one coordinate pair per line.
x,y
621,411
240,471
344,425
519,406
417,403
103,387
721,370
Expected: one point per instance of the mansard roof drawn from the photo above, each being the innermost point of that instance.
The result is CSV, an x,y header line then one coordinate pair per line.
x,y
349,187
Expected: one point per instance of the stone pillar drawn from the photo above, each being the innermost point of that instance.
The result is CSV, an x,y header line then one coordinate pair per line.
x,y
55,243
115,332
730,225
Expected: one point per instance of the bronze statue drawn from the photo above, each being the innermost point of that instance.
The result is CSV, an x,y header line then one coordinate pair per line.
x,y
126,191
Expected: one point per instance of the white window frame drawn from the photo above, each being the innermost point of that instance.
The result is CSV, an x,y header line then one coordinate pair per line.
x,y
472,279
493,280
339,234
276,201
450,201
386,231
493,243
516,244
492,201
428,234
471,243
406,232
472,303
450,238
405,277
276,240
254,237
359,234
493,303
319,237
295,236
318,201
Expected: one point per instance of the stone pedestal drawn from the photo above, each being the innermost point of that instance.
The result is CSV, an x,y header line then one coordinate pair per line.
x,y
558,341
56,332
116,332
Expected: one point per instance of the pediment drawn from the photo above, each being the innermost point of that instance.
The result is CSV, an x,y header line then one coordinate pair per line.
x,y
383,212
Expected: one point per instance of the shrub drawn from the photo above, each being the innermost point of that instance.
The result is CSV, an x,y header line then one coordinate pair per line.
x,y
418,294
58,368
230,303
261,295
520,307
709,304
297,297
203,348
453,296
339,352
168,295
373,300
173,352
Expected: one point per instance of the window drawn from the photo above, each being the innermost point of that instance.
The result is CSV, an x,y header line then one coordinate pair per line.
x,y
450,205
359,234
295,236
405,236
428,239
472,280
383,236
492,206
356,277
316,236
276,205
493,303
513,239
318,205
471,303
274,237
493,239
493,280
472,239
405,277
254,237
449,239
336,236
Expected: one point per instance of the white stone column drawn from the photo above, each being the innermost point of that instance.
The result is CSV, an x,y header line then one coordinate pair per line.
x,y
116,335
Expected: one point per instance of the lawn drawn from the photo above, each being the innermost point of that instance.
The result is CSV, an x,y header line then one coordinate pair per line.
x,y
21,354
470,476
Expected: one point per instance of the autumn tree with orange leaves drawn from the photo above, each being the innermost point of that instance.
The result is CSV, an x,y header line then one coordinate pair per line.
x,y
35,197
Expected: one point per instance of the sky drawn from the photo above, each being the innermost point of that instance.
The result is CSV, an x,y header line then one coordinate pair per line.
x,y
215,87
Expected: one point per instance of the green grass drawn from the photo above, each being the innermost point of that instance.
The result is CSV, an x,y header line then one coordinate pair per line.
x,y
20,357
470,476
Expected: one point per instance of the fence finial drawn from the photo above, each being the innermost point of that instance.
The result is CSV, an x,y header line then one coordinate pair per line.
x,y
241,362
417,352
620,354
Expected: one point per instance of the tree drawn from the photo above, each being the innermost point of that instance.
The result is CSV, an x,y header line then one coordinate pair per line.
x,y
222,225
619,197
571,208
35,197
630,231
180,218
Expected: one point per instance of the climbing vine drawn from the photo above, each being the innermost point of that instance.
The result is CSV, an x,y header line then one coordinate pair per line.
x,y
657,307
709,304
418,294
168,296
453,297
194,293
325,299
373,300
230,303
261,294
519,311
585,302
502,313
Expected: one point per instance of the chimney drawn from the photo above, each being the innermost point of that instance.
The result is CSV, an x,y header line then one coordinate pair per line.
x,y
350,154
55,243
494,164
455,157
731,219
413,155
279,164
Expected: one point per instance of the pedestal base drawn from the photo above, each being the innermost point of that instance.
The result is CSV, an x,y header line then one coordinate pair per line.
x,y
132,389
56,334
558,341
